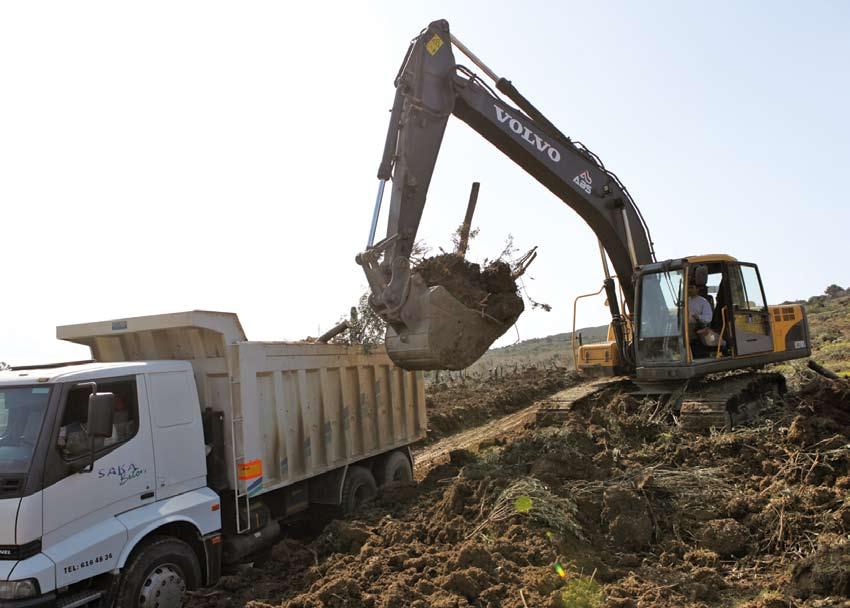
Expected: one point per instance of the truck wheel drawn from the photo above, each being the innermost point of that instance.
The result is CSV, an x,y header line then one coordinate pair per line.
x,y
359,487
395,467
158,575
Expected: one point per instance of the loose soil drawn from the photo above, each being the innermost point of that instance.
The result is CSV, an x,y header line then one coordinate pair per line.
x,y
493,433
491,290
602,503
470,402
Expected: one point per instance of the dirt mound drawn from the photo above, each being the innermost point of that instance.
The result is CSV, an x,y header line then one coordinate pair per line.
x,y
627,514
827,401
473,401
491,290
608,504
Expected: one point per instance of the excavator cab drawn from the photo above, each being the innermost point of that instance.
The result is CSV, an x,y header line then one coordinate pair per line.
x,y
670,343
708,314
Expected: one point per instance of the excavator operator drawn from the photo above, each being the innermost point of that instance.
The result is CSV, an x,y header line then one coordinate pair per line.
x,y
699,308
701,315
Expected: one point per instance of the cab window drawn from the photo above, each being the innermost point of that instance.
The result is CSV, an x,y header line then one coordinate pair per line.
x,y
73,441
746,289
660,329
22,412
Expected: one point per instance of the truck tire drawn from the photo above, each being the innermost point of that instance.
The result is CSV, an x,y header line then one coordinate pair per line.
x,y
395,467
358,488
158,575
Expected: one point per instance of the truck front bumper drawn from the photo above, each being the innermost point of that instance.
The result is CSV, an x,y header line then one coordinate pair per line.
x,y
48,599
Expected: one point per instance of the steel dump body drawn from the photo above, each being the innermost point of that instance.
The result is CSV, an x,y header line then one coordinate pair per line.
x,y
291,410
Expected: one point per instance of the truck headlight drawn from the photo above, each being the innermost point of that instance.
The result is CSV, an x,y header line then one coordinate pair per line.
x,y
18,590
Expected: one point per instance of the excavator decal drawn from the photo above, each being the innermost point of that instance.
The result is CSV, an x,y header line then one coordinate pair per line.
x,y
583,181
528,135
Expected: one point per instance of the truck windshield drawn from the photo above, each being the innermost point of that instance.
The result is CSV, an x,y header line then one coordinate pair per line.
x,y
660,330
22,411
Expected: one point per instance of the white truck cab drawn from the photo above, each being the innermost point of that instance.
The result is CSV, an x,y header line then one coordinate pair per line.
x,y
211,441
64,521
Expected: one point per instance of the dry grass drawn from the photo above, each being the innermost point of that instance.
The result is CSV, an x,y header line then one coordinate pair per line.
x,y
528,497
687,487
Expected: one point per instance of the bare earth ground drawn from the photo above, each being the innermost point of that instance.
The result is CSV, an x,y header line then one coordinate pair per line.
x,y
495,431
473,401
605,504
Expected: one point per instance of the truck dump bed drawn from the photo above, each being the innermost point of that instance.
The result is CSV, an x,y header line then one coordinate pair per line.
x,y
291,410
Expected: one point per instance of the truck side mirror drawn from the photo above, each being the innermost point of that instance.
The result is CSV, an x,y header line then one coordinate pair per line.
x,y
101,409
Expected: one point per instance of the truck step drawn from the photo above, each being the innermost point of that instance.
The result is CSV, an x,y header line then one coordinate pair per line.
x,y
81,598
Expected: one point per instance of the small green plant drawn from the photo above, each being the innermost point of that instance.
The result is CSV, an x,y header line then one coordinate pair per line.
x,y
665,438
523,504
582,592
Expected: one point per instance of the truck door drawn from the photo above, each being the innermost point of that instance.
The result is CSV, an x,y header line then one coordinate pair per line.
x,y
81,534
178,433
750,317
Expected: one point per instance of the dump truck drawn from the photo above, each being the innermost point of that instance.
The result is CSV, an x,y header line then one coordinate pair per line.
x,y
179,449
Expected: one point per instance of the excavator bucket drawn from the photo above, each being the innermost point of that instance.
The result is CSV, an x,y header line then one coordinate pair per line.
x,y
439,332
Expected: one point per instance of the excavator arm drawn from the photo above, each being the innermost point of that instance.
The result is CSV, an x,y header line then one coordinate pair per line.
x,y
428,328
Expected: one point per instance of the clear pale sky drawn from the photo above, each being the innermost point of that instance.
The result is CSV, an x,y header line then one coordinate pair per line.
x,y
165,156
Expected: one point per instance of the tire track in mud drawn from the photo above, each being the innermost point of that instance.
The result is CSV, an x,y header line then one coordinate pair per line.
x,y
430,456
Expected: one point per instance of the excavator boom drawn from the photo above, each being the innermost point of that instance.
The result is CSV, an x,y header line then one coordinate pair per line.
x,y
429,329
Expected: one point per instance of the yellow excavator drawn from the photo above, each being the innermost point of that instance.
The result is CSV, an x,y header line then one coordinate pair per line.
x,y
656,336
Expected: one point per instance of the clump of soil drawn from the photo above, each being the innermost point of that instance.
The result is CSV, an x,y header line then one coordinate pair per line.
x,y
826,571
491,290
627,514
725,537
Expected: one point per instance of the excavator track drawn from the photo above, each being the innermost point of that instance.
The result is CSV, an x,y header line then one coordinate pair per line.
x,y
716,402
723,402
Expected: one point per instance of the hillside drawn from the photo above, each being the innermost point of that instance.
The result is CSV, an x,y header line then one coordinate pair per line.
x,y
829,323
549,350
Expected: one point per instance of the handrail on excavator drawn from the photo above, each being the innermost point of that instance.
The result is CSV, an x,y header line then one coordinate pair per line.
x,y
575,308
